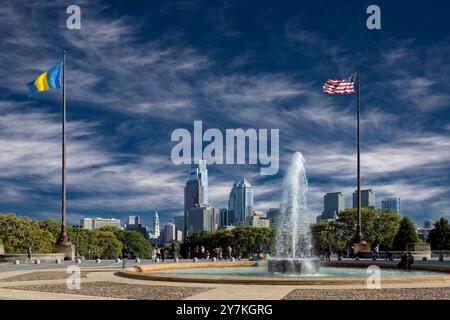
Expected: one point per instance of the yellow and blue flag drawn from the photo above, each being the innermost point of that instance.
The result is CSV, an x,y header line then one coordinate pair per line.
x,y
50,79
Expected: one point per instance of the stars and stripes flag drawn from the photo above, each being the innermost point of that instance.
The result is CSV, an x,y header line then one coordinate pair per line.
x,y
345,86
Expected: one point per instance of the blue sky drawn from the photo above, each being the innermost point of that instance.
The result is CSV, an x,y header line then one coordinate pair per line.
x,y
136,71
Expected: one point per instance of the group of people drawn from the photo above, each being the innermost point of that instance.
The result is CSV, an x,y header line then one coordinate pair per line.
x,y
158,254
406,261
201,252
327,252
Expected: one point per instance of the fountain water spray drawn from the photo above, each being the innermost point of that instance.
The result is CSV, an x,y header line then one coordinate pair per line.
x,y
293,250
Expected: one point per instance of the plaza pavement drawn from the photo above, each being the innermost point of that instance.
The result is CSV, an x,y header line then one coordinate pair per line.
x,y
105,272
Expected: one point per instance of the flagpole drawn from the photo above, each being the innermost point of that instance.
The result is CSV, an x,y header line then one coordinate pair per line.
x,y
359,236
63,238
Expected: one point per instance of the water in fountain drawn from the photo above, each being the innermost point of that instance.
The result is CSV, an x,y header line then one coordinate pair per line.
x,y
293,248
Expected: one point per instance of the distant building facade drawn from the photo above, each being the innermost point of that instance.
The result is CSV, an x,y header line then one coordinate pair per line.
x,y
95,223
240,203
424,232
203,218
223,217
256,220
170,233
193,197
333,203
392,204
179,222
133,220
274,216
199,171
367,199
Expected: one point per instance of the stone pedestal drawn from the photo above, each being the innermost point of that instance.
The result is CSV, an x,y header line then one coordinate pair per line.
x,y
362,250
294,266
67,248
419,250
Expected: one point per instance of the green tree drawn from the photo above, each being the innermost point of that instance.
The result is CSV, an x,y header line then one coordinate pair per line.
x,y
439,237
20,233
378,227
323,234
135,243
107,245
248,239
406,234
51,225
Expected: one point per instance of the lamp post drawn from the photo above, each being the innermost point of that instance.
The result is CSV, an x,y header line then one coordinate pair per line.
x,y
77,230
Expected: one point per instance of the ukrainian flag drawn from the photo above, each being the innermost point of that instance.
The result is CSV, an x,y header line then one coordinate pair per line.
x,y
50,79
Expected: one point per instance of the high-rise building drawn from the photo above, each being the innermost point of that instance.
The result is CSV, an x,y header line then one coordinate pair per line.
x,y
240,203
391,203
367,199
199,171
203,218
156,228
274,216
333,203
179,222
133,220
193,197
95,223
223,213
170,233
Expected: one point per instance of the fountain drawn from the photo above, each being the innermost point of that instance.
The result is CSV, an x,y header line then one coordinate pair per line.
x,y
293,250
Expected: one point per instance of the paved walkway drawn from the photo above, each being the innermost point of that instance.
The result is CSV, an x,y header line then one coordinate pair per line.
x,y
107,273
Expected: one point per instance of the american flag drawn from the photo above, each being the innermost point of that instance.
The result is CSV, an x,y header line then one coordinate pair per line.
x,y
340,86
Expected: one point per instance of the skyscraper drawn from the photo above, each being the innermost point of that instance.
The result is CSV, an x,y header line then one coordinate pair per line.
x,y
193,197
240,203
179,222
367,199
156,229
203,218
274,216
333,203
170,233
391,203
223,213
199,171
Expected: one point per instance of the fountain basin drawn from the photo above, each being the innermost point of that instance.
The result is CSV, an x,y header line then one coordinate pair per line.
x,y
294,266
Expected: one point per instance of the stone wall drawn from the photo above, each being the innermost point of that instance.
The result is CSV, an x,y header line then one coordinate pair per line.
x,y
43,257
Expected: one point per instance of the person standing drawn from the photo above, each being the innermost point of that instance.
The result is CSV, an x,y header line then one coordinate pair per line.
x,y
229,253
188,252
29,255
409,260
376,251
163,252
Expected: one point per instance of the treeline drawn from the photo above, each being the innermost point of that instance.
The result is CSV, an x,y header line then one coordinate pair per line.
x,y
20,233
385,228
246,240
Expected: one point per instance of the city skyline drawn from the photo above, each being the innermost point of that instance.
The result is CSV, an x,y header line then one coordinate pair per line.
x,y
225,71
